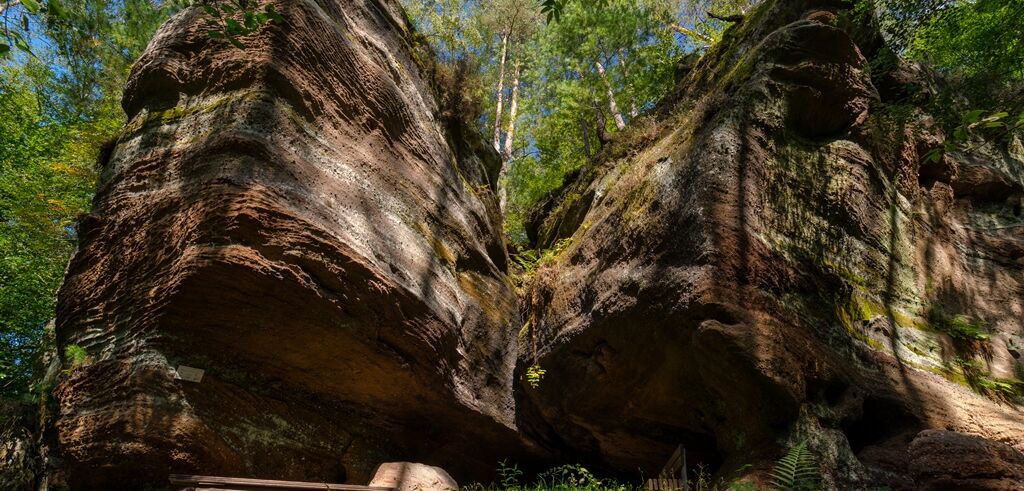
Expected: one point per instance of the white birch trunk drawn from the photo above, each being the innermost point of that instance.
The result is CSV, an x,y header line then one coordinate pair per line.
x,y
612,106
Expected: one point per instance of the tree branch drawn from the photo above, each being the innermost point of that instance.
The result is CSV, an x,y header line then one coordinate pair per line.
x,y
675,26
726,18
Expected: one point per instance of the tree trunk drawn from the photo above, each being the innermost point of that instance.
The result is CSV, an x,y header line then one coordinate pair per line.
x,y
502,188
500,92
510,134
633,112
513,105
612,106
586,135
602,125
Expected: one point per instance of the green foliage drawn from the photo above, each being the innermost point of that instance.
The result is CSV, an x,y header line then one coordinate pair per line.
x,y
46,179
75,355
562,478
563,102
229,19
980,37
509,475
59,105
977,125
534,374
578,478
552,9
978,379
959,326
532,259
975,46
797,470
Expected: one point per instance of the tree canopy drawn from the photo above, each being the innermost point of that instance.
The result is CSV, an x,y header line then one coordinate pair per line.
x,y
60,97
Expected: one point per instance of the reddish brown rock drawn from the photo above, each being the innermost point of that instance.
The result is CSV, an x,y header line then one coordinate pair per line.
x,y
767,270
298,220
948,460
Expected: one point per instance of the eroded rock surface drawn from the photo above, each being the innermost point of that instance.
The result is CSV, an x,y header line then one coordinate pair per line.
x,y
767,260
763,259
298,220
942,459
19,463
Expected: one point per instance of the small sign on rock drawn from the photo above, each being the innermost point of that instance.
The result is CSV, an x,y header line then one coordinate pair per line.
x,y
189,374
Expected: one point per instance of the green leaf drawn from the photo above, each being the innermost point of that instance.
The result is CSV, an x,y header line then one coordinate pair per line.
x,y
933,155
227,8
232,26
4,49
273,14
31,5
22,45
24,22
249,19
795,470
210,10
973,116
215,34
55,9
235,42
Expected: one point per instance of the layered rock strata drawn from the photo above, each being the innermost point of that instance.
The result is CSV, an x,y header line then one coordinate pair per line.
x,y
297,219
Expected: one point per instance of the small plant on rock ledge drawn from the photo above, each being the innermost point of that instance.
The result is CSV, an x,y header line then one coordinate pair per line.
x,y
534,375
960,326
996,388
76,356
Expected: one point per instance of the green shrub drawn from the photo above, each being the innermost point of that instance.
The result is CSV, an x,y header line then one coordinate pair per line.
x,y
562,478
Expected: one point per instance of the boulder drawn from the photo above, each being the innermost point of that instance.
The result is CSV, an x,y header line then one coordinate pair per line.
x,y
409,476
941,459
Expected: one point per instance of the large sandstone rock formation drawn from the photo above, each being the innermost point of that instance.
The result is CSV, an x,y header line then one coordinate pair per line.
x,y
766,259
298,220
761,260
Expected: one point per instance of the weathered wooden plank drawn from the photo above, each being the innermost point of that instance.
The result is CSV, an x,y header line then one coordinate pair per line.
x,y
245,484
663,484
674,465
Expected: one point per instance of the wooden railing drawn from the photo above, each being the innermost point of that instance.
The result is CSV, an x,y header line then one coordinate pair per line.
x,y
211,483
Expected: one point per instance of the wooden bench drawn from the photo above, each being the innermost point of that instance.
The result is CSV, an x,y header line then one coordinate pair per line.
x,y
216,483
673,476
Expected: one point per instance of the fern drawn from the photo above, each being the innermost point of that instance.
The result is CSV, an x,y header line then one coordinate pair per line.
x,y
796,471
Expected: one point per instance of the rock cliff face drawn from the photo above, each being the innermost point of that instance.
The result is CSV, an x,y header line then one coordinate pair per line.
x,y
763,259
766,259
297,220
